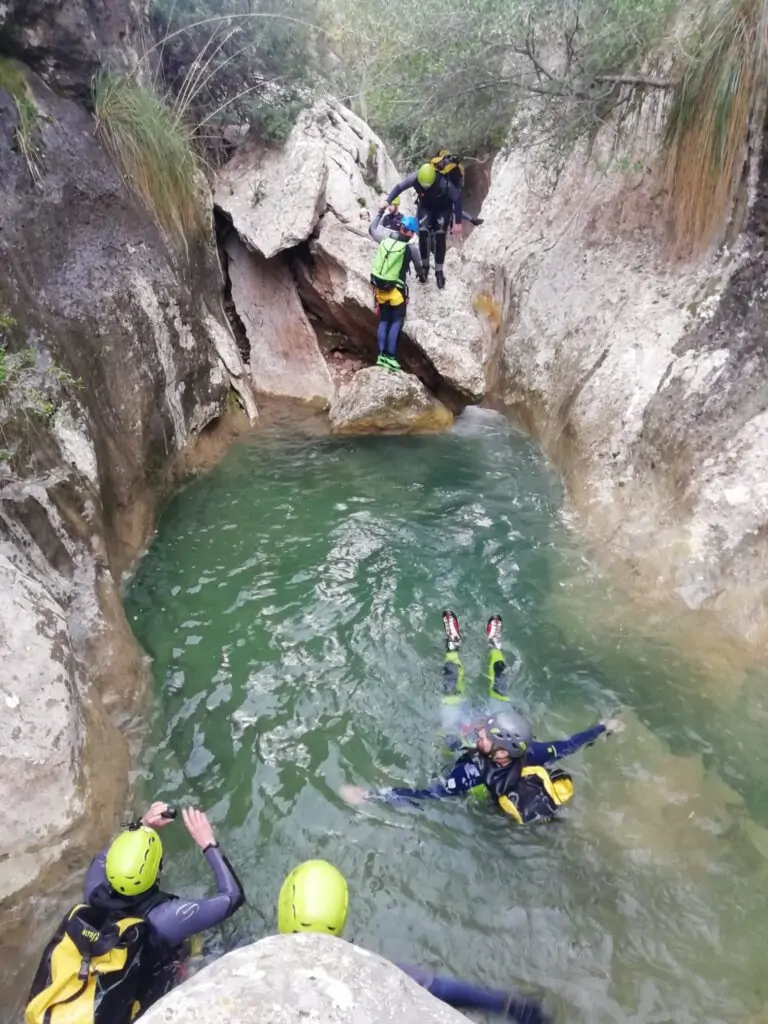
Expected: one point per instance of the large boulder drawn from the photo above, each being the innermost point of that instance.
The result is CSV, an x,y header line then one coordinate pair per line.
x,y
443,338
288,978
330,161
285,357
379,401
323,187
642,376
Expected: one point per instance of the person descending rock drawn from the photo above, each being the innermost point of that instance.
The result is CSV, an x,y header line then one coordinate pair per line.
x,y
391,263
127,943
314,898
505,762
438,185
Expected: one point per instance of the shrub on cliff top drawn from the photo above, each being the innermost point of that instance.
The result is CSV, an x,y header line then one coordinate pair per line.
x,y
153,146
724,73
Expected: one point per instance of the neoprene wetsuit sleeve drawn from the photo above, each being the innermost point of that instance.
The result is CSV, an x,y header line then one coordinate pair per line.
x,y
376,231
96,874
402,186
179,919
543,753
469,997
413,249
462,777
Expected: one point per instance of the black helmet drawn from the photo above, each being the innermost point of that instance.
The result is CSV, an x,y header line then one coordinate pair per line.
x,y
509,731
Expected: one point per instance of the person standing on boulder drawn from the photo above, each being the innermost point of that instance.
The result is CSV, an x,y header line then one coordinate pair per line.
x,y
127,943
394,256
314,898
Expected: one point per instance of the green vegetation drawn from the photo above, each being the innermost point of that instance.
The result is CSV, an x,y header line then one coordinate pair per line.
x,y
240,62
708,121
14,82
28,394
541,74
154,147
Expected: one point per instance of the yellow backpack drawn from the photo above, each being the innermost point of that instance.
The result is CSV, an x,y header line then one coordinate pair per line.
x,y
446,162
91,970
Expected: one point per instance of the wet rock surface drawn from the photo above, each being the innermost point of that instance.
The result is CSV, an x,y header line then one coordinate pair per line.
x,y
380,401
127,357
642,377
286,978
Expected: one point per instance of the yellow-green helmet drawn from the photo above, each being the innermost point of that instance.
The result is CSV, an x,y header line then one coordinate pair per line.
x,y
133,861
426,175
313,898
396,201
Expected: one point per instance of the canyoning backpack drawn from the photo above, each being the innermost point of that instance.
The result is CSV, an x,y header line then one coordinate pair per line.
x,y
445,163
94,970
387,267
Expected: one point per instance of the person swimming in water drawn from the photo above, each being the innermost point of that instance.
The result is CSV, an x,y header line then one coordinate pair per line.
x,y
506,762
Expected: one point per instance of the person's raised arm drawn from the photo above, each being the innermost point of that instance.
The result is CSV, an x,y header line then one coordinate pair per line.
x,y
544,753
177,920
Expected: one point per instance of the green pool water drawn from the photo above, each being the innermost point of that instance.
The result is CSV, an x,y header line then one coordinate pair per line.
x,y
291,606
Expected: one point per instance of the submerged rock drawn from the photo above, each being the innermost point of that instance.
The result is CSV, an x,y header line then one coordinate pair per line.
x,y
288,978
379,401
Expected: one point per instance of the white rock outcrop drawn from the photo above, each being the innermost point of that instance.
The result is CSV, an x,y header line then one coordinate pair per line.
x,y
288,978
642,377
322,188
379,401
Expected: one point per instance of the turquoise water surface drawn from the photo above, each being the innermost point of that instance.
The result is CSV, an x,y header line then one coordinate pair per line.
x,y
291,605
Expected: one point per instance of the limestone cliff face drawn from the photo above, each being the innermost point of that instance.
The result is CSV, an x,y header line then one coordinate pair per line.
x,y
127,356
644,379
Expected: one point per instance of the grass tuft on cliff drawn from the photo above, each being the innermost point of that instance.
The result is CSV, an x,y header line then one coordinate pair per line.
x,y
154,148
708,122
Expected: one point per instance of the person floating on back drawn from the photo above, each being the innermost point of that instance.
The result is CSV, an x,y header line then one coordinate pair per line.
x,y
505,762
314,898
394,256
438,184
127,943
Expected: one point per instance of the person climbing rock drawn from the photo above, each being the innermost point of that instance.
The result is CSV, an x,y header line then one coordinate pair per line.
x,y
392,216
127,943
394,256
438,188
314,898
506,762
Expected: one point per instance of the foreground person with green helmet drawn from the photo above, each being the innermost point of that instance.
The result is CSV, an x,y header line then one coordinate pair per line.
x,y
314,898
127,943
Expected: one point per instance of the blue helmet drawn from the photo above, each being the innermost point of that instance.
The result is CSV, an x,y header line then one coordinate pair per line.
x,y
410,224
